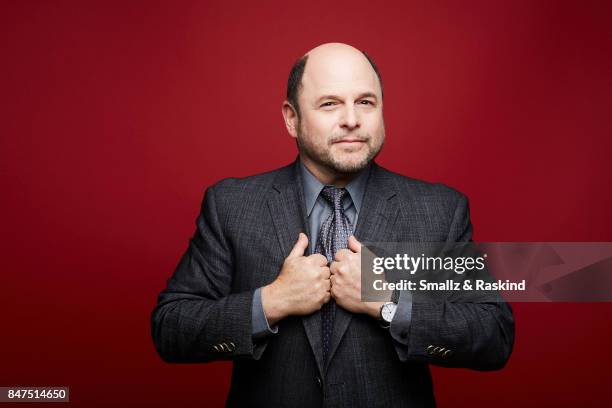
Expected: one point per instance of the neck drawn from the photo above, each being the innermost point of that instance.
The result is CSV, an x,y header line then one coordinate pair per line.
x,y
326,175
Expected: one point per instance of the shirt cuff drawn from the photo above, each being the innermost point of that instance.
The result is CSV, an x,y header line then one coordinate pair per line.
x,y
400,324
261,328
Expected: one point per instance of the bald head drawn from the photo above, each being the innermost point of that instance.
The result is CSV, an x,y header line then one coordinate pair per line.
x,y
329,64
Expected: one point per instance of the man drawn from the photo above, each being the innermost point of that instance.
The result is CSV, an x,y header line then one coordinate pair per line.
x,y
272,276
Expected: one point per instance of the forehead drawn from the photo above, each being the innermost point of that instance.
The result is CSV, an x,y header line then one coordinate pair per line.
x,y
339,74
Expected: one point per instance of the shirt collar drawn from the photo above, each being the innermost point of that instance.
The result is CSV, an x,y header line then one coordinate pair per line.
x,y
312,187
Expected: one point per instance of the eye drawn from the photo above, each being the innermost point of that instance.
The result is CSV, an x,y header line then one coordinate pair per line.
x,y
330,103
366,102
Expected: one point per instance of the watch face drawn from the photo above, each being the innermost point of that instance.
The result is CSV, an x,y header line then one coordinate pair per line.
x,y
388,311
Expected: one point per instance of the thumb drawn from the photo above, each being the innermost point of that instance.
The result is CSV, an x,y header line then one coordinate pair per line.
x,y
353,244
299,247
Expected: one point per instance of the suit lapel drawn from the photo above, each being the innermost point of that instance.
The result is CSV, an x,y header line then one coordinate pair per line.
x,y
288,196
377,216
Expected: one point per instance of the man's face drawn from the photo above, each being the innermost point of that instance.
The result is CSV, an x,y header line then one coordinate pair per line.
x,y
341,124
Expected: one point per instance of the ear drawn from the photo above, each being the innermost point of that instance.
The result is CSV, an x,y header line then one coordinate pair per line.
x,y
291,119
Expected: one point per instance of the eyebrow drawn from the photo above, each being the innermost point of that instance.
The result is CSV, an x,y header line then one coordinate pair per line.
x,y
360,96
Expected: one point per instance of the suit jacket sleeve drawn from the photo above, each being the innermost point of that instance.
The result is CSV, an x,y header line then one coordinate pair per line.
x,y
197,317
476,335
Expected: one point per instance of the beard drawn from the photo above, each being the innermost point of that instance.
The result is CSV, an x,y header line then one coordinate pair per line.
x,y
324,156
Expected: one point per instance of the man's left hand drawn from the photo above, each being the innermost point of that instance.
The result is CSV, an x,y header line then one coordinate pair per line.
x,y
346,280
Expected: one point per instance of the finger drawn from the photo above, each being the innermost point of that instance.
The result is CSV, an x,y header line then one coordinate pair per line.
x,y
353,244
341,254
319,259
326,272
300,246
333,267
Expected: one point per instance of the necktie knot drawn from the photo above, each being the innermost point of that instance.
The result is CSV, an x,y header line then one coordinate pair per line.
x,y
334,196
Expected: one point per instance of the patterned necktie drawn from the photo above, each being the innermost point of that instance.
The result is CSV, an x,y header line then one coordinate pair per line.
x,y
333,237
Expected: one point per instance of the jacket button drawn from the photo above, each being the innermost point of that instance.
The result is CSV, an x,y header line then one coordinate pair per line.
x,y
430,349
319,382
447,353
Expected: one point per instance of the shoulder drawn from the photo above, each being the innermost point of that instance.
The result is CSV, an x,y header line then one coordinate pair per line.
x,y
412,188
241,191
440,210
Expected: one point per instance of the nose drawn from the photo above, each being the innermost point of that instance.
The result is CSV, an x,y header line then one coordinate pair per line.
x,y
350,118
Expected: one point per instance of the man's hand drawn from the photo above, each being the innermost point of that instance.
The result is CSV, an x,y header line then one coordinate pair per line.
x,y
302,286
346,280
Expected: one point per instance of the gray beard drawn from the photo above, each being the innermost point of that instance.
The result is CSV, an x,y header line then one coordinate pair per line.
x,y
326,160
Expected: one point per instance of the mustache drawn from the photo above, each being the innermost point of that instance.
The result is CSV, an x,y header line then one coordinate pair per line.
x,y
361,138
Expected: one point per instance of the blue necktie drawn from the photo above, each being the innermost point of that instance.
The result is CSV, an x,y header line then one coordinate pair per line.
x,y
333,237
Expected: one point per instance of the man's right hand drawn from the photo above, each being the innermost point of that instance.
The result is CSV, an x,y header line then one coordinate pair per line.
x,y
302,286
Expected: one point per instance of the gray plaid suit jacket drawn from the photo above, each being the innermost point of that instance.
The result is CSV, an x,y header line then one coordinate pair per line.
x,y
245,230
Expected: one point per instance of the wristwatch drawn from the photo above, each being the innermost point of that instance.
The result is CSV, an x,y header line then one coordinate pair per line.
x,y
387,311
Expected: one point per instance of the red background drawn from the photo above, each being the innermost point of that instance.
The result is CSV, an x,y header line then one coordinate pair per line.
x,y
116,116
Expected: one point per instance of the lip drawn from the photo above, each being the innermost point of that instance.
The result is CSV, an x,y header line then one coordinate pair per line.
x,y
349,141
